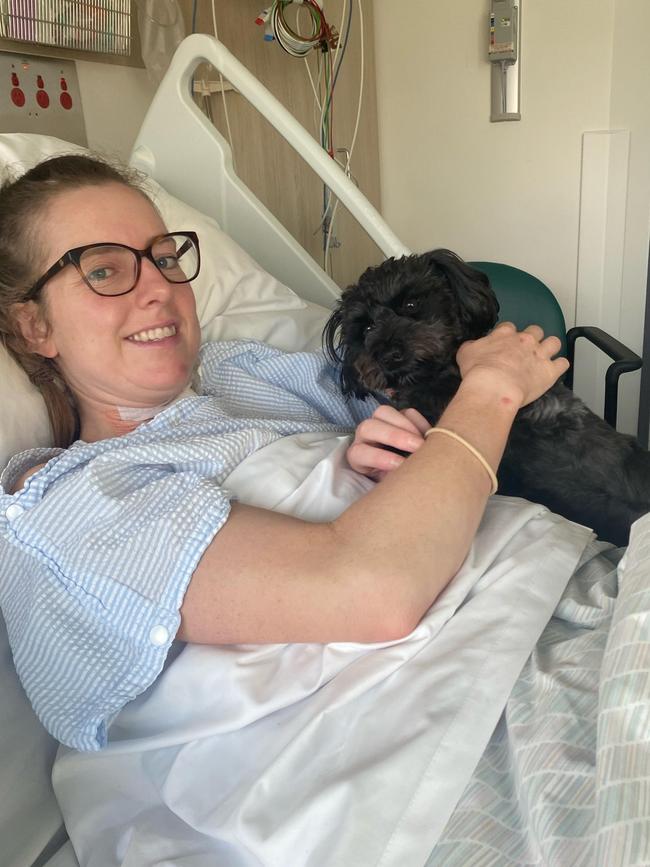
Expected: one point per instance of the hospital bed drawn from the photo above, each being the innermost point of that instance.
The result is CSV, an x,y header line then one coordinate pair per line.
x,y
511,728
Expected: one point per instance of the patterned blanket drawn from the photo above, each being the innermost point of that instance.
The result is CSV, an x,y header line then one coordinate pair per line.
x,y
565,779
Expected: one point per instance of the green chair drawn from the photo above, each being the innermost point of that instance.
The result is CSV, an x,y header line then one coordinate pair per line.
x,y
525,300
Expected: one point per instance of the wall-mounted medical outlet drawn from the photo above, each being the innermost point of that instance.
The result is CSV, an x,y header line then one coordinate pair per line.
x,y
41,95
504,49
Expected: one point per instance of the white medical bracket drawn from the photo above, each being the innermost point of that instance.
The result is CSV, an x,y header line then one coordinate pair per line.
x,y
504,54
207,88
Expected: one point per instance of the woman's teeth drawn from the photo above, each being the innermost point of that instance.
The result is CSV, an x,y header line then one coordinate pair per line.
x,y
153,334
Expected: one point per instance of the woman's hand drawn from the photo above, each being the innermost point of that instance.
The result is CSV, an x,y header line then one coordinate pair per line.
x,y
399,429
517,364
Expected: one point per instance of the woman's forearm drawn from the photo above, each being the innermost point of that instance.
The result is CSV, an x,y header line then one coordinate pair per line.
x,y
415,528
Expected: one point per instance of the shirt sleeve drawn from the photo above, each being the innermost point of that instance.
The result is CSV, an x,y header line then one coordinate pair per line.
x,y
302,382
94,565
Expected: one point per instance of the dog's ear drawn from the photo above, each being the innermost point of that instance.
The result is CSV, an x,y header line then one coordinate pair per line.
x,y
332,336
337,354
479,308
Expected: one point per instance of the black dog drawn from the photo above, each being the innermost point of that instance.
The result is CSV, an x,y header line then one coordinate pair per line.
x,y
397,332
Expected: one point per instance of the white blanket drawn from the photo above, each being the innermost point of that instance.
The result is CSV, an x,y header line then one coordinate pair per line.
x,y
339,755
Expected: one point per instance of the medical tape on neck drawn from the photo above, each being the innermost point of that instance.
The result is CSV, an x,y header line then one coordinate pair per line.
x,y
139,414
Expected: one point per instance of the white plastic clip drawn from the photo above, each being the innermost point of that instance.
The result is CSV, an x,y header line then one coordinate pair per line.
x,y
206,88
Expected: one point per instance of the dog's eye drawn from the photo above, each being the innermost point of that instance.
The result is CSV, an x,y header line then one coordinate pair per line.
x,y
368,327
410,306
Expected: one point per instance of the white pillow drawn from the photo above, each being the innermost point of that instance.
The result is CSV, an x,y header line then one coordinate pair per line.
x,y
236,298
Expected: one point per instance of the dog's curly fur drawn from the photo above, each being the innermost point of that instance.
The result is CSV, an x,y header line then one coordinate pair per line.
x,y
397,332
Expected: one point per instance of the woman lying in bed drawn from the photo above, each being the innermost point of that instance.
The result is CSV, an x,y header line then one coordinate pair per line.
x,y
124,537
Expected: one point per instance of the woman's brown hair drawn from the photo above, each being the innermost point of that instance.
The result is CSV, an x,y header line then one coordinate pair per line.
x,y
23,204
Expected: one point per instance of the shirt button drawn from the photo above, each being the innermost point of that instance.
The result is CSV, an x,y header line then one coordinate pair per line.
x,y
159,635
14,511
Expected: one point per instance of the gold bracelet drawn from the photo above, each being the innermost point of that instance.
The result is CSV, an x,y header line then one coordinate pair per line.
x,y
470,448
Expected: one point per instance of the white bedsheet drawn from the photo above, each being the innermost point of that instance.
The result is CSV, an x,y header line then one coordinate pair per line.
x,y
337,755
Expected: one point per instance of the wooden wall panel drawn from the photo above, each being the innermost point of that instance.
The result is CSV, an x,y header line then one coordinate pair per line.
x,y
270,167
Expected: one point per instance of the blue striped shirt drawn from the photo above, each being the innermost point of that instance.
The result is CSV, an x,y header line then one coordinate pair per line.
x,y
98,547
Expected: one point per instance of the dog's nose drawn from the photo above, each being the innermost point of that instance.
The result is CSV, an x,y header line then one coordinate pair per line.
x,y
395,355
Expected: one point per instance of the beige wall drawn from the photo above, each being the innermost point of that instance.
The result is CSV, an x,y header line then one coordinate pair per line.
x,y
501,191
511,191
115,100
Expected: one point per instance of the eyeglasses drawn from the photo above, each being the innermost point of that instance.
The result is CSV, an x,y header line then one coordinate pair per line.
x,y
114,269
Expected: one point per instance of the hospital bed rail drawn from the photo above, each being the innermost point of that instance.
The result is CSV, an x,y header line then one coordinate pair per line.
x,y
175,126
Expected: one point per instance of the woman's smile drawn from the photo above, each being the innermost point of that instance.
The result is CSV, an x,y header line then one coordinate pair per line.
x,y
157,335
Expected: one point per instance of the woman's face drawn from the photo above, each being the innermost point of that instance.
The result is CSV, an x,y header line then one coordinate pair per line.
x,y
91,337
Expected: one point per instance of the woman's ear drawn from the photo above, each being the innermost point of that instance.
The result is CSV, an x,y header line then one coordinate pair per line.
x,y
34,328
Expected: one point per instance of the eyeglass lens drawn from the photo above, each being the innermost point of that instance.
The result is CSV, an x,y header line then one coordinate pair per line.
x,y
112,270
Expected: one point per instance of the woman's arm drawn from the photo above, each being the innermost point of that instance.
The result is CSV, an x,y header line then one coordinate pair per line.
x,y
371,574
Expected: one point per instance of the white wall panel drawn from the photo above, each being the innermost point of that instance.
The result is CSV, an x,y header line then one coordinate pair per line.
x,y
601,244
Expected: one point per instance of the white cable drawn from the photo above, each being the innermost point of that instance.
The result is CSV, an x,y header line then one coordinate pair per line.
x,y
327,255
336,55
338,46
311,81
317,105
326,210
325,105
296,47
327,258
290,45
223,94
361,80
328,203
330,194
